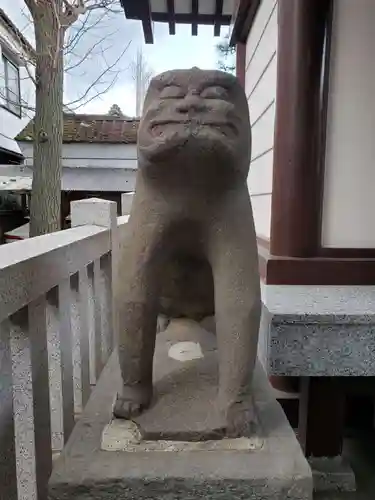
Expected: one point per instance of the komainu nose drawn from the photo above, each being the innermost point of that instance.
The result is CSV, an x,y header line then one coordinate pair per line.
x,y
191,103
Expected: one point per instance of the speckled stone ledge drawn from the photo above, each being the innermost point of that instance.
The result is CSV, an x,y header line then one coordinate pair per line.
x,y
318,331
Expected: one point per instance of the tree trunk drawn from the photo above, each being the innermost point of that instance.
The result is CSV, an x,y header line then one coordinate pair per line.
x,y
48,123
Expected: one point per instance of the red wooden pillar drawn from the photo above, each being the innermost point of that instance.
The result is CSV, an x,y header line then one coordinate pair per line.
x,y
321,416
303,32
296,190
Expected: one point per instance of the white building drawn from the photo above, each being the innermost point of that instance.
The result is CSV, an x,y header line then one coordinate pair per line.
x,y
99,153
16,87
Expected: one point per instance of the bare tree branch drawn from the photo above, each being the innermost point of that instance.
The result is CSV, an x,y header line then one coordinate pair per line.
x,y
102,4
71,43
83,29
61,27
16,103
31,5
105,71
82,103
30,75
72,12
89,52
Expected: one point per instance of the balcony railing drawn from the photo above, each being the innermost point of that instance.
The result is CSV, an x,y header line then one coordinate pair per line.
x,y
56,334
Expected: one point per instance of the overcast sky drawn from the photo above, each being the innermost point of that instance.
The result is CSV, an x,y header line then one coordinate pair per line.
x,y
178,51
104,45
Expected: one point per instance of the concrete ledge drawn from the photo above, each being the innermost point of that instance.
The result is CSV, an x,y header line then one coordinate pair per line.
x,y
300,323
277,470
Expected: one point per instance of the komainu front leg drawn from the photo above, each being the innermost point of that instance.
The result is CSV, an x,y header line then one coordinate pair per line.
x,y
136,351
137,309
234,259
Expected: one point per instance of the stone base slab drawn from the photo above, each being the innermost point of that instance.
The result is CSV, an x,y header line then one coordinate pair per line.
x,y
124,435
184,405
332,475
270,465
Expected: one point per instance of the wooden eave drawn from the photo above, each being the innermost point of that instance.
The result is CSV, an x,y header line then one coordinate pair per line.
x,y
243,19
149,11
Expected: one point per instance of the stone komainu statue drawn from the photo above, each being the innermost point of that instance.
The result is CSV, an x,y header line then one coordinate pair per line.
x,y
191,210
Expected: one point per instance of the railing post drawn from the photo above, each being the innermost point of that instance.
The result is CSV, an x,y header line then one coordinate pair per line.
x,y
126,203
94,212
101,213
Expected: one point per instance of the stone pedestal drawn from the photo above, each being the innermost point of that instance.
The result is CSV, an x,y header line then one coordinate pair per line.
x,y
108,458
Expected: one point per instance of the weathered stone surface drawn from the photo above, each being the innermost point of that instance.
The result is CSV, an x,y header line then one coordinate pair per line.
x,y
274,468
191,247
187,288
124,435
185,387
301,322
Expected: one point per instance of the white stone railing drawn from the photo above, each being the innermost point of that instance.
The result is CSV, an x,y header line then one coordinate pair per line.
x,y
56,334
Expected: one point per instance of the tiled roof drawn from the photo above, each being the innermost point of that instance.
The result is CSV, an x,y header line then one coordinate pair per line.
x,y
92,128
16,32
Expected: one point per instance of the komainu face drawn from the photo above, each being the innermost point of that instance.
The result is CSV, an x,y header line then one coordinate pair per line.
x,y
195,116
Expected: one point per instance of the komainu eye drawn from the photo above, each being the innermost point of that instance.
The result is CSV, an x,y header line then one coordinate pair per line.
x,y
172,92
214,92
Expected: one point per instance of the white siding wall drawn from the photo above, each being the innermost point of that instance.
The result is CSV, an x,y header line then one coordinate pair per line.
x,y
260,85
98,179
94,167
85,155
76,179
10,124
349,200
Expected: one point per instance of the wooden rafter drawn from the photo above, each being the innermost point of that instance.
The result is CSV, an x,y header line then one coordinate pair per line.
x,y
171,13
218,15
194,15
141,10
244,17
203,19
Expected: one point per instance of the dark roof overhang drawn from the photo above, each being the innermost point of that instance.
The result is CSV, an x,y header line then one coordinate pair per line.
x,y
217,13
243,19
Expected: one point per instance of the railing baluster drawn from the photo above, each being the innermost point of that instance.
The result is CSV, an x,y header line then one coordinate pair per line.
x,y
76,336
91,322
98,319
8,471
41,393
54,361
66,346
106,303
83,288
20,345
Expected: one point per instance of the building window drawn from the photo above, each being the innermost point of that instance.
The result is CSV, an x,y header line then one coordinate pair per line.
x,y
11,89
